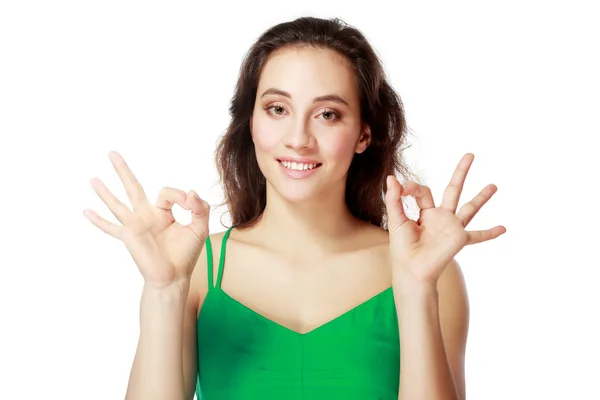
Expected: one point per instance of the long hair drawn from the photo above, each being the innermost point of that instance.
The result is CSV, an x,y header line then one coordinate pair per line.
x,y
381,108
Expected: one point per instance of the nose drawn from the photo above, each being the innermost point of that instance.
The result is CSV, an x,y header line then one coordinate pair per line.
x,y
298,136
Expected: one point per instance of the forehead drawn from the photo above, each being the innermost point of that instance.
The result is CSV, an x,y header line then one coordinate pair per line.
x,y
309,72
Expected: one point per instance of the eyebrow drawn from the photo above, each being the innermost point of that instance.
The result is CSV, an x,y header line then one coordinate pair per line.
x,y
328,97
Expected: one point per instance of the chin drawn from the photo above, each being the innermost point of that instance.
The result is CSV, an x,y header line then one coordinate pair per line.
x,y
296,192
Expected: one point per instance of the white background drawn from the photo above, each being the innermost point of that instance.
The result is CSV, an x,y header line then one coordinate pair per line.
x,y
514,82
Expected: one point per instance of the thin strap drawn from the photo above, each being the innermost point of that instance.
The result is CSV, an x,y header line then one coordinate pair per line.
x,y
222,257
209,263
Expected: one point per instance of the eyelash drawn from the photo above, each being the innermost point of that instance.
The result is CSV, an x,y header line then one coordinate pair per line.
x,y
335,114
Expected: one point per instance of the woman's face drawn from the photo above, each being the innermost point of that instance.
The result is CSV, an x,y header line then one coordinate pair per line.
x,y
306,124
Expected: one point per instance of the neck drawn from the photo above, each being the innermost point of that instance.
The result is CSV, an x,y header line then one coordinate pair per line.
x,y
318,224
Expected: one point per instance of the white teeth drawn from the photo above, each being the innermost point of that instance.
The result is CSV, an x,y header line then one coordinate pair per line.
x,y
297,166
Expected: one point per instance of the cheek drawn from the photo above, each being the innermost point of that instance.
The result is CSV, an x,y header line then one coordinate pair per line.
x,y
340,148
264,141
264,135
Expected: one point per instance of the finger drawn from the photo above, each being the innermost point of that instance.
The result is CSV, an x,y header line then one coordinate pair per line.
x,y
454,189
421,193
468,210
107,227
134,190
483,236
200,213
119,210
393,204
169,196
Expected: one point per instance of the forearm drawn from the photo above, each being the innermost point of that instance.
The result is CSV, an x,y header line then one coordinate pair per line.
x,y
424,369
157,371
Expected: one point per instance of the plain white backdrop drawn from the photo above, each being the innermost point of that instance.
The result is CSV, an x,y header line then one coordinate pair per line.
x,y
514,82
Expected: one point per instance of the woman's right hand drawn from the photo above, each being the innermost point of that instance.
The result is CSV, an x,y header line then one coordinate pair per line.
x,y
163,250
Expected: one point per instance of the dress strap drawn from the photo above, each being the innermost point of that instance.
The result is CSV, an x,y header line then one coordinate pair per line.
x,y
209,263
222,257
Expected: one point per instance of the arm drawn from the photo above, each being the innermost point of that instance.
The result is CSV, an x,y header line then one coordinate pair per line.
x,y
433,323
157,371
198,290
163,252
165,363
429,289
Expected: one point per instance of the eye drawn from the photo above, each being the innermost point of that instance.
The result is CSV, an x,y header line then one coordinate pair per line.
x,y
275,109
330,115
278,110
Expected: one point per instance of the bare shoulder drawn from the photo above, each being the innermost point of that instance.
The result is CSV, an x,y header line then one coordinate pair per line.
x,y
370,247
454,319
452,290
199,279
375,240
369,235
452,278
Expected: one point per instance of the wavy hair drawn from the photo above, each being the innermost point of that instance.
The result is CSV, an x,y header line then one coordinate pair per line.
x,y
244,184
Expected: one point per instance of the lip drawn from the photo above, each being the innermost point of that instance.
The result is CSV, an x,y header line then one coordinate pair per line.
x,y
298,160
296,174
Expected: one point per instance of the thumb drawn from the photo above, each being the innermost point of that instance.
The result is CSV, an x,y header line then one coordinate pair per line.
x,y
200,213
393,204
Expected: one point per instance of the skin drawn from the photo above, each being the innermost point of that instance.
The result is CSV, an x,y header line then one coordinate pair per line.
x,y
312,269
306,241
310,252
295,126
303,263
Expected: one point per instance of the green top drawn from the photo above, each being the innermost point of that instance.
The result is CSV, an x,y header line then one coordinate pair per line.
x,y
244,355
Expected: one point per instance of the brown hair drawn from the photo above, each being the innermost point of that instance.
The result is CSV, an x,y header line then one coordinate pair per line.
x,y
381,108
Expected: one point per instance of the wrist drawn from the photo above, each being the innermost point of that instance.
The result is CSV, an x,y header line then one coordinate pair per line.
x,y
406,285
172,290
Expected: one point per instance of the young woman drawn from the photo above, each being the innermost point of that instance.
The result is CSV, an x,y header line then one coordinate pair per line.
x,y
322,288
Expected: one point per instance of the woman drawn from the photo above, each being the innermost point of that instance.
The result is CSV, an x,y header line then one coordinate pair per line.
x,y
323,274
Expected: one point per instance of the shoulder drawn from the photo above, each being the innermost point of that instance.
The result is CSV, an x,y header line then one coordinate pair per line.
x,y
452,289
369,247
199,278
373,235
375,240
453,300
453,308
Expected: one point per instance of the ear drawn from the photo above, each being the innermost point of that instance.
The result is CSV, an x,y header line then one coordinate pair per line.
x,y
364,140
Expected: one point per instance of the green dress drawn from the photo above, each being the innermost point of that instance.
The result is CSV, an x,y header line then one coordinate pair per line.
x,y
242,355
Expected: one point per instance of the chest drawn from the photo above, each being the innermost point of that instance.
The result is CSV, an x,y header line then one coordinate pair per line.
x,y
302,295
354,356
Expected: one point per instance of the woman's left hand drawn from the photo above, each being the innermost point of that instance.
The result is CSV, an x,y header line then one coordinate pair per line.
x,y
422,249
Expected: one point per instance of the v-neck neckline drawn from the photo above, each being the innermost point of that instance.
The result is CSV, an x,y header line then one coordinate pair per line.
x,y
285,328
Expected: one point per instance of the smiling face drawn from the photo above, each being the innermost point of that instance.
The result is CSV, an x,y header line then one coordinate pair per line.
x,y
306,124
